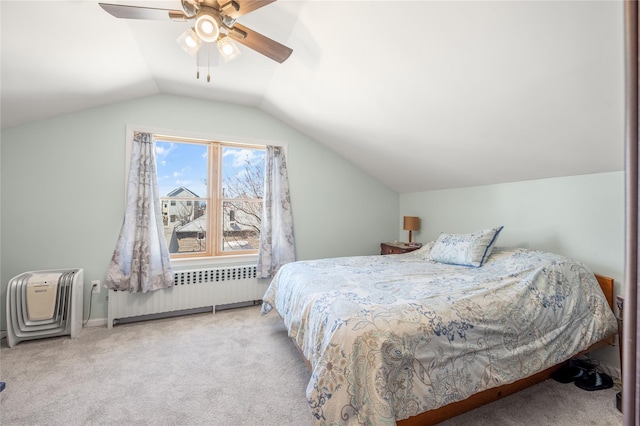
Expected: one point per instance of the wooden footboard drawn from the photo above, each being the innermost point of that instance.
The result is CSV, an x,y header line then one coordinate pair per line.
x,y
456,408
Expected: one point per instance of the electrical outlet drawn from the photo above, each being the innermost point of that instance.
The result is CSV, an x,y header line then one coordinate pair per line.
x,y
95,286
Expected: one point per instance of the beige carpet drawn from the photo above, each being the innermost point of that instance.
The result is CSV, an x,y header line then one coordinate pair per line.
x,y
231,368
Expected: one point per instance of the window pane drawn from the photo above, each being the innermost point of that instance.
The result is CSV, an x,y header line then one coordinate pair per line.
x,y
182,169
242,172
205,213
241,225
186,228
182,183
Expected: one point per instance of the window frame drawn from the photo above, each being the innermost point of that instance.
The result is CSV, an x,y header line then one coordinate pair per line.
x,y
215,198
231,258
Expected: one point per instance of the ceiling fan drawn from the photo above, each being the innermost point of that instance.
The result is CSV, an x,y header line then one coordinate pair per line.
x,y
215,22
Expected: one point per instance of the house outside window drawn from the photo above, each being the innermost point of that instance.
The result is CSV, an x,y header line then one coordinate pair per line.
x,y
201,183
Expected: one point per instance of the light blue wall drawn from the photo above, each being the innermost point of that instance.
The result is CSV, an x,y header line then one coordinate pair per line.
x,y
580,216
62,204
63,183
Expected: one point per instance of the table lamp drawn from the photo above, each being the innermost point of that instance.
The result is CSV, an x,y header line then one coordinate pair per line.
x,y
411,223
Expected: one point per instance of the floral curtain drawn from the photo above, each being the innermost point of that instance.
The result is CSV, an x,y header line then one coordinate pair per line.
x,y
277,245
631,332
140,261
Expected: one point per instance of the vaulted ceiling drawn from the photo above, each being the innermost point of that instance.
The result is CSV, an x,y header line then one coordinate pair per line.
x,y
421,95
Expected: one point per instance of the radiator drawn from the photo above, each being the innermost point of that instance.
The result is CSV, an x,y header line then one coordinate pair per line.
x,y
44,304
194,289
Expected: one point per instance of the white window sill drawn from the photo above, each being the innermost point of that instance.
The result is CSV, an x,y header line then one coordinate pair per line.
x,y
208,262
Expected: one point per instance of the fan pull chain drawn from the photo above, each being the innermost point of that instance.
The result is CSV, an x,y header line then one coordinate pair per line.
x,y
208,62
198,65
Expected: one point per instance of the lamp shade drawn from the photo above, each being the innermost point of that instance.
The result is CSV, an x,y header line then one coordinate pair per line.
x,y
189,41
411,223
227,48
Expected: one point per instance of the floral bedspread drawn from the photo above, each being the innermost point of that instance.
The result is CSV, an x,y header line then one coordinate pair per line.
x,y
389,337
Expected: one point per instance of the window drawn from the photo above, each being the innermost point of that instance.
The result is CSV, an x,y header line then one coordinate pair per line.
x,y
212,192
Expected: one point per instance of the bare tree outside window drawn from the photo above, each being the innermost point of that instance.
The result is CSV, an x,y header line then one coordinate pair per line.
x,y
242,203
192,205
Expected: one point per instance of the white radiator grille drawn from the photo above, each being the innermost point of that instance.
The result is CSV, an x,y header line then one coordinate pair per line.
x,y
193,289
206,275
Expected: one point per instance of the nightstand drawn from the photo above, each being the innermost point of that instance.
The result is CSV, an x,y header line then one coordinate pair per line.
x,y
397,248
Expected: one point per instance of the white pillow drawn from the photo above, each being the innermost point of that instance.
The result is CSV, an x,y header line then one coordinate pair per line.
x,y
465,249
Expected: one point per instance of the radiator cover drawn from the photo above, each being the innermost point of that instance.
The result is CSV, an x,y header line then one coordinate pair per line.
x,y
192,289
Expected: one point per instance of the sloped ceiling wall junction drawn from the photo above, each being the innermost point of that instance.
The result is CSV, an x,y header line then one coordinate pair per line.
x,y
419,94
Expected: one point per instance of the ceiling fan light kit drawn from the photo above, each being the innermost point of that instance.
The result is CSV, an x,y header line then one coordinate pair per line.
x,y
228,49
189,42
215,22
207,26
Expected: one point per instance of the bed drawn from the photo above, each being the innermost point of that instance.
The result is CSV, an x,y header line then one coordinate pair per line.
x,y
406,336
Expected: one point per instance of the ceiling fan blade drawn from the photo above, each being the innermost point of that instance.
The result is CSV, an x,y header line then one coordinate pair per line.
x,y
261,44
135,12
236,8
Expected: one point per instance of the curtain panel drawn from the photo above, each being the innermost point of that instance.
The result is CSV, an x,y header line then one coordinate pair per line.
x,y
631,310
140,261
277,245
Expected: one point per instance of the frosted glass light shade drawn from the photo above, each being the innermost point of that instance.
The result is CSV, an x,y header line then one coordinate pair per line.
x,y
189,41
207,26
228,49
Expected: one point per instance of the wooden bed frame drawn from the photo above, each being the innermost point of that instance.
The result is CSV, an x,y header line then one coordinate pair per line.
x,y
448,411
